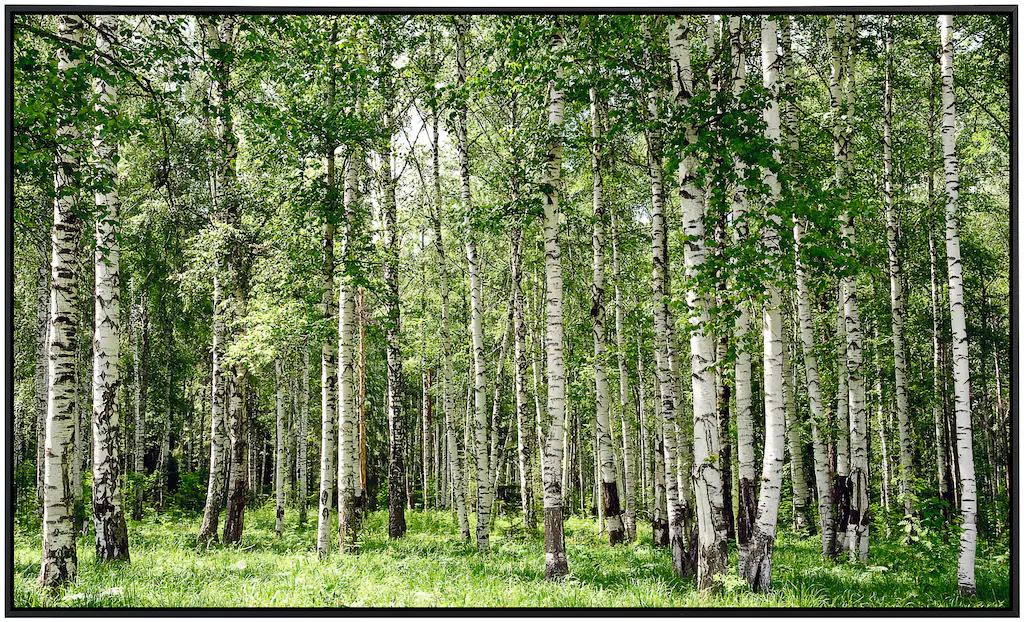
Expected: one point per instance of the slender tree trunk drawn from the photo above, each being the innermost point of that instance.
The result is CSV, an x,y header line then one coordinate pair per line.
x,y
218,434
938,414
42,371
757,568
59,563
302,436
164,457
802,520
141,353
822,468
237,428
747,493
396,433
712,557
646,429
620,354
220,42
957,312
857,529
662,329
279,453
217,35
659,510
892,228
838,50
447,384
349,474
524,427
610,496
484,494
328,351
556,564
108,515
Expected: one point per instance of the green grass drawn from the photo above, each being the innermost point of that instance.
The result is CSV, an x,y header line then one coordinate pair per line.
x,y
430,567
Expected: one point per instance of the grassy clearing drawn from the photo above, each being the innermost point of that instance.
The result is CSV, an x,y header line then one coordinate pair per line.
x,y
432,568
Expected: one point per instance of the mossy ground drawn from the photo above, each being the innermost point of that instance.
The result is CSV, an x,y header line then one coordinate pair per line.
x,y
430,567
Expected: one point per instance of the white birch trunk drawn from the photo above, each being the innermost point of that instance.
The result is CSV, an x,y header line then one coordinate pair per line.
x,y
556,564
59,563
279,452
108,514
747,488
484,496
712,554
349,478
301,436
328,350
857,528
822,474
42,371
606,459
219,402
957,312
892,227
757,568
620,354
822,469
838,52
802,520
448,386
524,425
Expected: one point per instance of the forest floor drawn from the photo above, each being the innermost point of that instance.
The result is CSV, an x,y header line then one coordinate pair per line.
x,y
430,567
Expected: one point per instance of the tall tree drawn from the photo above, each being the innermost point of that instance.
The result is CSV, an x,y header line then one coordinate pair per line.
x,y
958,321
60,555
484,494
892,227
108,515
609,488
857,528
349,484
328,351
712,552
757,568
556,564
396,430
279,452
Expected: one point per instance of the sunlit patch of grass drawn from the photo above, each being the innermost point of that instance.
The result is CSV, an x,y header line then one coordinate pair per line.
x,y
432,567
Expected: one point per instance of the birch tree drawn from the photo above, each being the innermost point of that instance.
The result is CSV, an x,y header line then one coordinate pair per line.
x,y
108,514
757,568
484,494
857,529
349,484
556,563
396,432
609,490
712,552
747,489
620,355
961,361
60,556
279,453
328,354
892,226
42,370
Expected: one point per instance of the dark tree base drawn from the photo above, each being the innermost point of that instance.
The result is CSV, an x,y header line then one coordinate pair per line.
x,y
556,564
